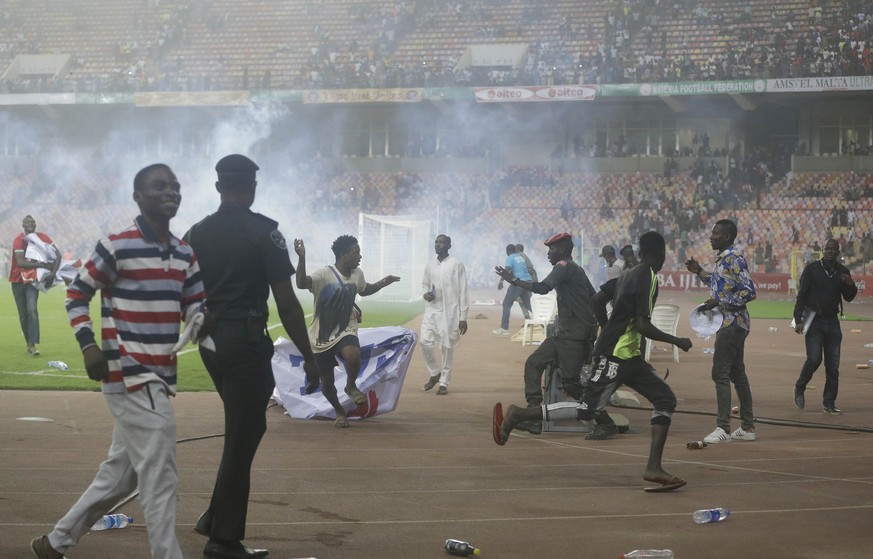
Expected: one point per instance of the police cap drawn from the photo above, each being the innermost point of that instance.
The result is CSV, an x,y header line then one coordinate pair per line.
x,y
235,167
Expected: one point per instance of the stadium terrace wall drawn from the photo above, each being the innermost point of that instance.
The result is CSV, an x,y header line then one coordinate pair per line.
x,y
680,280
503,94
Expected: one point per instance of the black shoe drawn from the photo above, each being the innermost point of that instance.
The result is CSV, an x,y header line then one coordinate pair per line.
x,y
799,400
234,550
431,382
204,524
41,547
602,432
532,427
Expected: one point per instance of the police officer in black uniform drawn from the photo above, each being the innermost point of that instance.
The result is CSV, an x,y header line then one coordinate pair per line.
x,y
242,256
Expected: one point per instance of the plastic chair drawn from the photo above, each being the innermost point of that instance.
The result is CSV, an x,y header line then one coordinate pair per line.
x,y
666,319
543,310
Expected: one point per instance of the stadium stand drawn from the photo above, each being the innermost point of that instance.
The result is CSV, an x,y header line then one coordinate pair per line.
x,y
196,45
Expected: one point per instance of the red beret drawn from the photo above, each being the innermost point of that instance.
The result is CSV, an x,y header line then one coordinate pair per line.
x,y
556,237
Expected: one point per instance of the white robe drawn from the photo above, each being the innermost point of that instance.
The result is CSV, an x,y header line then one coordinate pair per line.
x,y
448,281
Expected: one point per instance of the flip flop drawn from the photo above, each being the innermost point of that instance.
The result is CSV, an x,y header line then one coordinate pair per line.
x,y
674,483
356,395
497,424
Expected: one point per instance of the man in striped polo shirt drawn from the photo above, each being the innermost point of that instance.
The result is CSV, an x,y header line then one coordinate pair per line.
x,y
149,280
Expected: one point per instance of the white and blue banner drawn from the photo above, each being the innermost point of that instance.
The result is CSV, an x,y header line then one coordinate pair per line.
x,y
385,356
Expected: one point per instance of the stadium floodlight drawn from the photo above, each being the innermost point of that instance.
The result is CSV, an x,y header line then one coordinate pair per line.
x,y
398,245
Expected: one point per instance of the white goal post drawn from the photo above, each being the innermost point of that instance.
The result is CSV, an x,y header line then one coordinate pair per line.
x,y
397,245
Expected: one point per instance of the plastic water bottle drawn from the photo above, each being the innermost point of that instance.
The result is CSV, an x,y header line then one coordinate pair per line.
x,y
58,365
461,549
706,516
648,554
110,521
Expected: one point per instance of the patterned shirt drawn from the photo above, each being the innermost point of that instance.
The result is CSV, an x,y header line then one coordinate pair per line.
x,y
146,289
731,285
334,314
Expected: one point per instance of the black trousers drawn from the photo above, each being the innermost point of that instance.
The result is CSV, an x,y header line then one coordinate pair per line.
x,y
243,376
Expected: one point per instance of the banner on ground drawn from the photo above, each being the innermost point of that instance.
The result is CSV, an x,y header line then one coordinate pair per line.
x,y
385,356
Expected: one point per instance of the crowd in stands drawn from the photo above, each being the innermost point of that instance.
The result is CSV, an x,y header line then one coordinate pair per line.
x,y
200,45
778,218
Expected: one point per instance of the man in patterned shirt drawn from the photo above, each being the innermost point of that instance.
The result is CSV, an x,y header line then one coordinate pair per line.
x,y
731,288
148,280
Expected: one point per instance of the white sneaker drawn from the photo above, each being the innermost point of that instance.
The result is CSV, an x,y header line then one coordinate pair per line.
x,y
500,332
741,435
717,436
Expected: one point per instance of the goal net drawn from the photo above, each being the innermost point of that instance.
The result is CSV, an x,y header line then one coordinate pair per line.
x,y
397,245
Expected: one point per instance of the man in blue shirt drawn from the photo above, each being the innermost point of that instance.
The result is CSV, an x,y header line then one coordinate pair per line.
x,y
731,288
518,265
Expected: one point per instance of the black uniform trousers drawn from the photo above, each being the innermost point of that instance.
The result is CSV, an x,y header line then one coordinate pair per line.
x,y
243,376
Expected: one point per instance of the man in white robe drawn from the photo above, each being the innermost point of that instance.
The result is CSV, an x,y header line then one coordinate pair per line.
x,y
445,313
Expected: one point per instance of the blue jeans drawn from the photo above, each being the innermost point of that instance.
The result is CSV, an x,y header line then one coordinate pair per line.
x,y
26,298
823,338
514,292
728,367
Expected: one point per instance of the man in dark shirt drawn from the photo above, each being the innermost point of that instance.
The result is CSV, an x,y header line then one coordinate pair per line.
x,y
618,361
822,285
242,257
630,259
575,329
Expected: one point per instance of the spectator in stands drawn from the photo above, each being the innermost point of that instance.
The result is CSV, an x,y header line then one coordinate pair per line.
x,y
618,361
515,262
576,327
822,285
445,312
731,288
22,276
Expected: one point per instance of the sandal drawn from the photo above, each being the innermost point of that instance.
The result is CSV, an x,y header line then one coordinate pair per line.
x,y
356,395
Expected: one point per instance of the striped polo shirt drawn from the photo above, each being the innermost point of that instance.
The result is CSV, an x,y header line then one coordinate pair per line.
x,y
146,288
